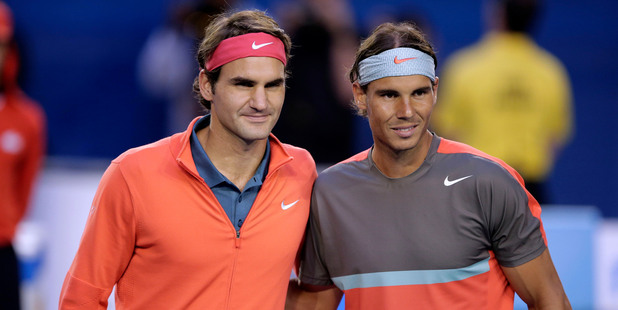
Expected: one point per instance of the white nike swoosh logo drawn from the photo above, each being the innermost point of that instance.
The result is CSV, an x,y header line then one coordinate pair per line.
x,y
449,183
258,46
285,207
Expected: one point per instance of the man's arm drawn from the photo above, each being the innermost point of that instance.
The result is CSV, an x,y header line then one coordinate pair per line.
x,y
310,297
538,284
106,246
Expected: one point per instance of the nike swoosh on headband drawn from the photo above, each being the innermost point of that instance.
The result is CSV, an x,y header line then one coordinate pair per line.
x,y
258,46
398,61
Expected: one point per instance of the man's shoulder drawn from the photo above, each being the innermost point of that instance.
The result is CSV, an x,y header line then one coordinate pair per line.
x,y
352,166
299,155
295,150
27,108
475,159
293,160
448,146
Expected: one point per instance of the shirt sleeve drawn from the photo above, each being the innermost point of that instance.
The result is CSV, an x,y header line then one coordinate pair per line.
x,y
106,246
515,231
312,268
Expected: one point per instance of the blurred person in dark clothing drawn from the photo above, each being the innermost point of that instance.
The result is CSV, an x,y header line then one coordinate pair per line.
x,y
317,114
22,145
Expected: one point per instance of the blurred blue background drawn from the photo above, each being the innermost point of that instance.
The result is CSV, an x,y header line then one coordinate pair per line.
x,y
79,62
80,59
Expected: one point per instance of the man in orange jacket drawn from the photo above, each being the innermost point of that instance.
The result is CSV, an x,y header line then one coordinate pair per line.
x,y
211,218
22,145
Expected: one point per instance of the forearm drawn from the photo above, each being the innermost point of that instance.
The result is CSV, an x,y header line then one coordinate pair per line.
x,y
554,304
297,298
538,284
550,297
303,299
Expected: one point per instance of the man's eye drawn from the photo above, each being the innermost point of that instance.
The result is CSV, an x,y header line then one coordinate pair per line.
x,y
420,93
274,85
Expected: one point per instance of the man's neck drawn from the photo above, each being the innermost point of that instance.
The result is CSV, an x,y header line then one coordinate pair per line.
x,y
400,164
236,160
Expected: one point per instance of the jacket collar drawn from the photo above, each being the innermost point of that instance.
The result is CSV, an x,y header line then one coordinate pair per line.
x,y
180,147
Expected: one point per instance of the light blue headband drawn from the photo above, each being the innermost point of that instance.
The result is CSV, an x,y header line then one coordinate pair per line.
x,y
399,61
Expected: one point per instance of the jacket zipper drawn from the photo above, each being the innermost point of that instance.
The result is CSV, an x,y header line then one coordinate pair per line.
x,y
229,291
237,239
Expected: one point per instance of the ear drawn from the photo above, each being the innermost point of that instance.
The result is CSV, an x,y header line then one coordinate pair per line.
x,y
205,86
360,97
435,90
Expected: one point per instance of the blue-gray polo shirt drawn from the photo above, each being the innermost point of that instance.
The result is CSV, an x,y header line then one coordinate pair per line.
x,y
235,203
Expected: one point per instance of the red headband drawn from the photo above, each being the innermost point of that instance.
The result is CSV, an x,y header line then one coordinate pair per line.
x,y
255,44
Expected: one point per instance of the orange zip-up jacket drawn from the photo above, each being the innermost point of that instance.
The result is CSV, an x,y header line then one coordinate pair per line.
x,y
22,148
157,231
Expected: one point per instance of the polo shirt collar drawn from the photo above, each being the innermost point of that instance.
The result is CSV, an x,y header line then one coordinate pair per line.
x,y
209,172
